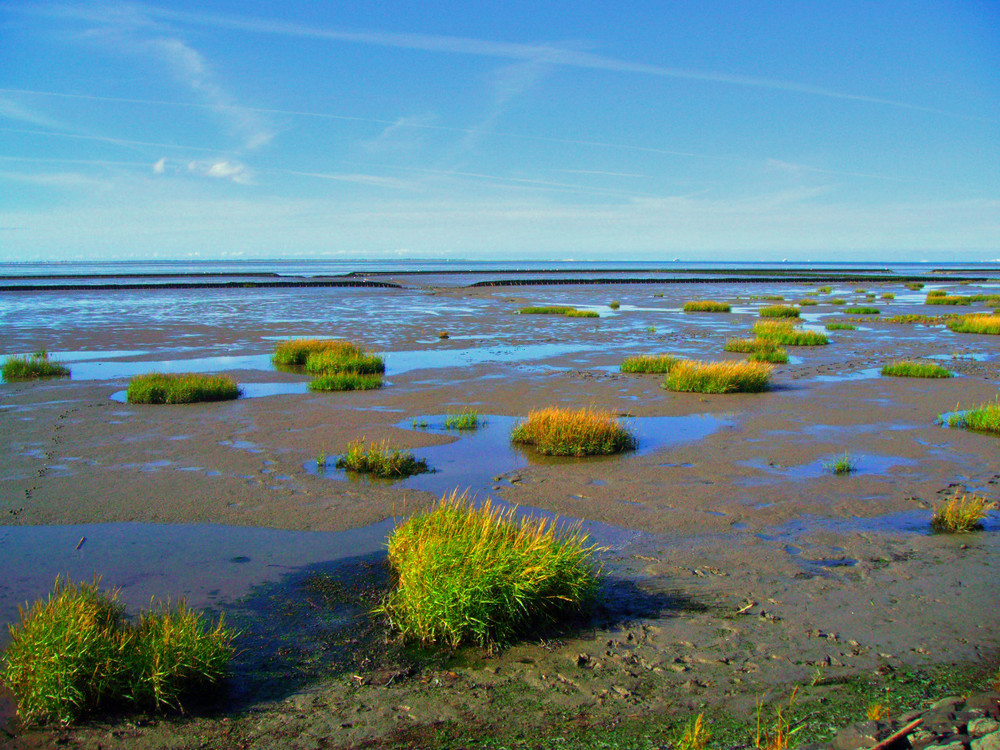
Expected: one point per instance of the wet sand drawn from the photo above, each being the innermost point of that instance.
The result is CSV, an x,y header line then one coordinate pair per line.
x,y
738,562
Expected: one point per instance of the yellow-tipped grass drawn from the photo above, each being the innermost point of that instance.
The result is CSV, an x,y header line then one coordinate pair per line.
x,y
556,431
719,377
772,329
180,388
785,333
988,324
908,368
758,350
982,418
707,305
37,365
333,361
477,575
961,514
296,351
779,311
656,363
380,460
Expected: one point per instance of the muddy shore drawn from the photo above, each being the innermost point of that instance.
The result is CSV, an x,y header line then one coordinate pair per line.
x,y
738,565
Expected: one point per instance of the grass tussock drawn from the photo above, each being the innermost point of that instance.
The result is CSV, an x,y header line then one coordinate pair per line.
x,y
582,314
180,388
862,311
75,653
295,352
914,369
614,304
842,465
331,361
469,419
841,327
888,296
986,324
477,575
837,301
758,349
379,460
719,377
961,514
37,365
645,363
947,299
982,418
346,381
572,432
546,310
786,334
707,305
779,311
914,286
807,302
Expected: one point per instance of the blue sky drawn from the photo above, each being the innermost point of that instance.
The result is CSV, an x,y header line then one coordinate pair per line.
x,y
640,130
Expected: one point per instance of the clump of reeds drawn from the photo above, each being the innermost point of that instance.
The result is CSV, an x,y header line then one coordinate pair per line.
x,y
837,301
331,361
947,299
546,310
477,575
862,311
707,305
772,329
842,465
824,290
656,363
468,419
841,327
180,388
719,377
296,351
888,295
914,369
572,432
914,286
937,293
982,418
779,311
346,381
961,514
807,302
758,349
614,304
786,334
582,314
36,365
695,735
380,460
75,653
986,324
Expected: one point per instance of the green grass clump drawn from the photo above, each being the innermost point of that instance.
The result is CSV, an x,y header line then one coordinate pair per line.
x,y
947,299
987,324
614,304
982,418
658,363
779,311
842,465
937,293
912,369
567,432
469,419
837,301
546,310
888,295
180,388
862,311
914,286
719,377
785,333
707,305
824,290
582,314
331,361
841,327
759,349
297,351
807,302
37,365
477,575
346,381
961,514
75,653
380,460
772,329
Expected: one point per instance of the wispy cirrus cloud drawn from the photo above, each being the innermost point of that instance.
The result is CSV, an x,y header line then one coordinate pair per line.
x,y
16,111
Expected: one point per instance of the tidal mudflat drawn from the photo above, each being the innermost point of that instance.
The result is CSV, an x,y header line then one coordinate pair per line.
x,y
737,566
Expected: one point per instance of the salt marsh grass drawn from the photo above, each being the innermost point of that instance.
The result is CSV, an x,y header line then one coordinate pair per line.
x,y
837,301
982,418
914,369
582,314
779,311
37,365
986,324
758,350
937,293
772,329
546,310
807,302
842,465
478,575
862,311
469,419
706,305
947,299
567,432
786,334
75,653
914,286
332,361
961,514
719,377
614,304
656,363
346,381
841,327
180,388
296,351
380,460
888,295
824,290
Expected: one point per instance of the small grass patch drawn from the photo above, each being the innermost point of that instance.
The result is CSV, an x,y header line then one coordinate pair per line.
x,y
772,329
914,286
75,653
380,460
346,381
888,295
582,314
332,361
961,514
914,369
656,363
758,350
719,377
842,465
567,432
824,290
837,301
295,352
841,327
937,293
779,311
947,299
546,310
180,388
862,311
478,575
707,305
807,302
982,418
614,304
786,334
469,419
985,324
37,365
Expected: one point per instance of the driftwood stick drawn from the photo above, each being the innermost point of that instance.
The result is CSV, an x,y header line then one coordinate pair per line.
x,y
898,735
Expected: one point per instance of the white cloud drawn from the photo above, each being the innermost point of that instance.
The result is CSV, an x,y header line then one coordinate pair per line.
x,y
160,166
224,169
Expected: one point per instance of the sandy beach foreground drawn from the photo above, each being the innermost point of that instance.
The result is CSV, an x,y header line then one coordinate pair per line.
x,y
738,565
